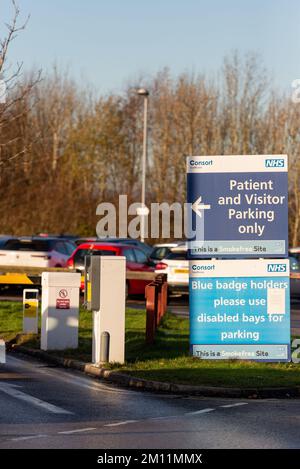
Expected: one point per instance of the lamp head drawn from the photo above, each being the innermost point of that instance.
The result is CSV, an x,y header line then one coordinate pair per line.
x,y
142,92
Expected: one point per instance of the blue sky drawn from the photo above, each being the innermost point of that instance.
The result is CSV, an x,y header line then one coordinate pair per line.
x,y
109,42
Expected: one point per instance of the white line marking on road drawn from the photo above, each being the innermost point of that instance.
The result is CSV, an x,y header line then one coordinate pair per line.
x,y
69,432
69,378
23,438
120,423
202,411
227,406
84,381
11,391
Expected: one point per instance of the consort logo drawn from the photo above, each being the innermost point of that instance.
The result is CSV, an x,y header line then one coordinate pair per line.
x,y
200,163
198,268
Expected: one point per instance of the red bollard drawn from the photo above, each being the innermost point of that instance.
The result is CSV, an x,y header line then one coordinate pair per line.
x,y
156,294
151,311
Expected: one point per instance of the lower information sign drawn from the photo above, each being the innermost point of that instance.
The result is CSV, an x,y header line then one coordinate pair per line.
x,y
240,309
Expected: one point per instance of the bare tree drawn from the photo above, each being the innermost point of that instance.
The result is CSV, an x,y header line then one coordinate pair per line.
x,y
79,150
15,94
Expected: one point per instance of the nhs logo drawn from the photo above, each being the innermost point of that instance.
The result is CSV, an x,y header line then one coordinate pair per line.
x,y
274,163
276,267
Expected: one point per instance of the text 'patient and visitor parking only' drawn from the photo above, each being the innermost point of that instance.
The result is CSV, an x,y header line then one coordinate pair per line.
x,y
239,205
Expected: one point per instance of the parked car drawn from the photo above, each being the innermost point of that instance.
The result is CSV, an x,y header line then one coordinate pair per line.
x,y
36,252
136,261
160,251
176,266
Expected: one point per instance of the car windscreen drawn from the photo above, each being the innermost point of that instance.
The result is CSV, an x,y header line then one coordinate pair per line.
x,y
3,242
28,245
160,253
177,256
295,255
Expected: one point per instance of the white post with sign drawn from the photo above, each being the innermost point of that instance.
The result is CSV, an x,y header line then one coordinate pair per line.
x,y
110,318
60,310
30,311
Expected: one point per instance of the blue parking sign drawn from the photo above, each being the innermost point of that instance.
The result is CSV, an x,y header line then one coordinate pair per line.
x,y
240,309
239,206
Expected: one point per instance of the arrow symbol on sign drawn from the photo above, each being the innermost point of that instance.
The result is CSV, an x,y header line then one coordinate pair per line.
x,y
198,206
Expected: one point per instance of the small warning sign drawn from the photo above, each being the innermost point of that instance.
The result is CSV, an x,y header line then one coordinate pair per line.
x,y
62,303
63,293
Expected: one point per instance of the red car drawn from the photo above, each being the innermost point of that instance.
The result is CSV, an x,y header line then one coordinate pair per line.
x,y
136,260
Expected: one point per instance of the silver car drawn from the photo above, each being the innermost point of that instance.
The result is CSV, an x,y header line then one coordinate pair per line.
x,y
36,252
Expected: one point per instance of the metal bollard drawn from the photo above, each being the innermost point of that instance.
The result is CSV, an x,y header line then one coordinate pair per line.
x,y
104,347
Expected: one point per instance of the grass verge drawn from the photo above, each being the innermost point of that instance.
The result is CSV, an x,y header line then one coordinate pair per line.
x,y
167,359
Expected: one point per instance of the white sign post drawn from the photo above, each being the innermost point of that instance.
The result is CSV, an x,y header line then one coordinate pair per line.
x,y
110,318
60,310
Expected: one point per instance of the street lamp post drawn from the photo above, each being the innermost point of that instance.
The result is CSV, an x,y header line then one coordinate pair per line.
x,y
145,93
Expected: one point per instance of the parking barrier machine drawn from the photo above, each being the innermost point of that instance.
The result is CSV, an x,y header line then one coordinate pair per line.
x,y
60,310
30,310
105,282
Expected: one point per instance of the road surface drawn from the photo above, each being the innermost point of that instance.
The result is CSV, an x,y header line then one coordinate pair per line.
x,y
43,406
